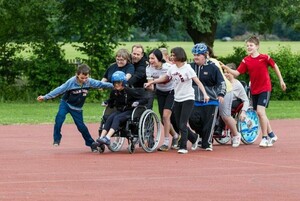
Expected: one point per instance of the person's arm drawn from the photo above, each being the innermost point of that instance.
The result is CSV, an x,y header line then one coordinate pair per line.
x,y
57,91
99,84
156,81
277,71
235,73
201,87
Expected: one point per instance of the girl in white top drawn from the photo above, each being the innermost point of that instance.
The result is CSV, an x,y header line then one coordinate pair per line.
x,y
182,75
165,96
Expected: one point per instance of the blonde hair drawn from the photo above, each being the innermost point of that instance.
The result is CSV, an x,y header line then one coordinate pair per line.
x,y
124,53
253,39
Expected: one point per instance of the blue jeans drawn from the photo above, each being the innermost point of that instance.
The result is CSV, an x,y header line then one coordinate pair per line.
x,y
77,116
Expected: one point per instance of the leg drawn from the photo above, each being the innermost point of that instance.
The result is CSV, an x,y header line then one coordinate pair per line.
x,y
59,120
82,128
182,113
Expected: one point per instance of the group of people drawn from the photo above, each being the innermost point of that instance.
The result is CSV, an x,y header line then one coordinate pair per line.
x,y
191,97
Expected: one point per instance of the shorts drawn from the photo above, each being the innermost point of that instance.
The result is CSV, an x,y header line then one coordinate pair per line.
x,y
261,99
165,99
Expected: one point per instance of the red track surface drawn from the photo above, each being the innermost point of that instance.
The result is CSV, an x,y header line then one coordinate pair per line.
x,y
32,169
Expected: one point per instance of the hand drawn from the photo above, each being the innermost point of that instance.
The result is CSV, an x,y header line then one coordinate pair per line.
x,y
242,115
40,98
104,104
146,85
221,99
135,104
283,86
206,98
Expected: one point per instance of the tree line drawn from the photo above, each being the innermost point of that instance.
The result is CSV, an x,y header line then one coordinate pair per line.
x,y
97,26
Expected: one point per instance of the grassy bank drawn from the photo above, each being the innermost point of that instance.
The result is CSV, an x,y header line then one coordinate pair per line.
x,y
44,113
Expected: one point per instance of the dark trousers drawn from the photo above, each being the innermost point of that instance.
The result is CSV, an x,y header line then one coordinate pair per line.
x,y
202,121
115,119
182,111
77,116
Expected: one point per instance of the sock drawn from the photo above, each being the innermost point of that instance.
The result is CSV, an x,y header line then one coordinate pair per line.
x,y
175,136
271,134
166,141
107,137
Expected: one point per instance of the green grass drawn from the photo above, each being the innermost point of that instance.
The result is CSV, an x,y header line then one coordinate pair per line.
x,y
220,48
44,113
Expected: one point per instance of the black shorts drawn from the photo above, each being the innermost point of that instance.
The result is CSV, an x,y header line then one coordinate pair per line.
x,y
165,99
261,99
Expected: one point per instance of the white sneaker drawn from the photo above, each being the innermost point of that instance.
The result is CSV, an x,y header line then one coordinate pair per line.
x,y
195,145
236,140
265,143
272,140
182,151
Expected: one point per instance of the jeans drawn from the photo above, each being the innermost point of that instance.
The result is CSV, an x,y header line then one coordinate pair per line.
x,y
77,116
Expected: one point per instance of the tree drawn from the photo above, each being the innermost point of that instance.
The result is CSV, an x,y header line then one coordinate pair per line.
x,y
98,25
200,18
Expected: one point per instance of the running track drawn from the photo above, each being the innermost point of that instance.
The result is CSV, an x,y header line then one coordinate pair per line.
x,y
32,169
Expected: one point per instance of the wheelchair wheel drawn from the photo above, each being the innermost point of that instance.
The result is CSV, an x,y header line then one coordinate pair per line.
x,y
249,128
116,142
225,138
149,131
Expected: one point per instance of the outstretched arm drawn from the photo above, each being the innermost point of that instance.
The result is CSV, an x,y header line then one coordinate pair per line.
x,y
235,73
156,81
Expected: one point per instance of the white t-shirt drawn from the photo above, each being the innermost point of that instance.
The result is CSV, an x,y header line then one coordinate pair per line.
x,y
153,73
182,78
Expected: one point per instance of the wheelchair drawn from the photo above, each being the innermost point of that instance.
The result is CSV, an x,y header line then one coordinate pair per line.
x,y
143,128
249,128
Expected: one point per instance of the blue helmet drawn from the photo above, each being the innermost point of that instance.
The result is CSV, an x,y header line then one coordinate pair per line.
x,y
199,48
118,76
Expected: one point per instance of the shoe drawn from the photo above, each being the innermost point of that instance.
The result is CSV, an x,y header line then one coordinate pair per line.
x,y
272,140
163,148
265,143
236,140
195,145
103,140
182,151
56,143
209,148
175,142
94,147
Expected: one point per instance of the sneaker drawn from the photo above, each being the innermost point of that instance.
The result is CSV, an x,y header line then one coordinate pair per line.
x,y
236,140
182,151
175,142
272,140
94,147
56,143
103,140
195,145
163,148
209,148
265,143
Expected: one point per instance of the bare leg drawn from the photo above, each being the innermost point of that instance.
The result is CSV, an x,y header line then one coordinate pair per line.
x,y
263,120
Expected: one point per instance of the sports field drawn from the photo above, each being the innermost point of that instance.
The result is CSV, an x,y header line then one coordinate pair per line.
x,y
32,169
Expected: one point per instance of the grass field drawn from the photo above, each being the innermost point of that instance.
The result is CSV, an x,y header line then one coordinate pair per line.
x,y
44,113
220,48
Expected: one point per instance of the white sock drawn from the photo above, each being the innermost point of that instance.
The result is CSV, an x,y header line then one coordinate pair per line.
x,y
166,141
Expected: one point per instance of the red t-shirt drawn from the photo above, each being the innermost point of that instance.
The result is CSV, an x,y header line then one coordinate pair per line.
x,y
257,69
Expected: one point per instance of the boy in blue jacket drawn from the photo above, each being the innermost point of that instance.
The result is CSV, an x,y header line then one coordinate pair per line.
x,y
75,91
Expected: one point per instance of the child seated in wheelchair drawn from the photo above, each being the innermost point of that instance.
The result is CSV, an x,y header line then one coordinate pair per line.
x,y
239,96
124,99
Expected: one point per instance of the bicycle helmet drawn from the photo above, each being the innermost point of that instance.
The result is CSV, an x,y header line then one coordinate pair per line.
x,y
199,48
118,76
